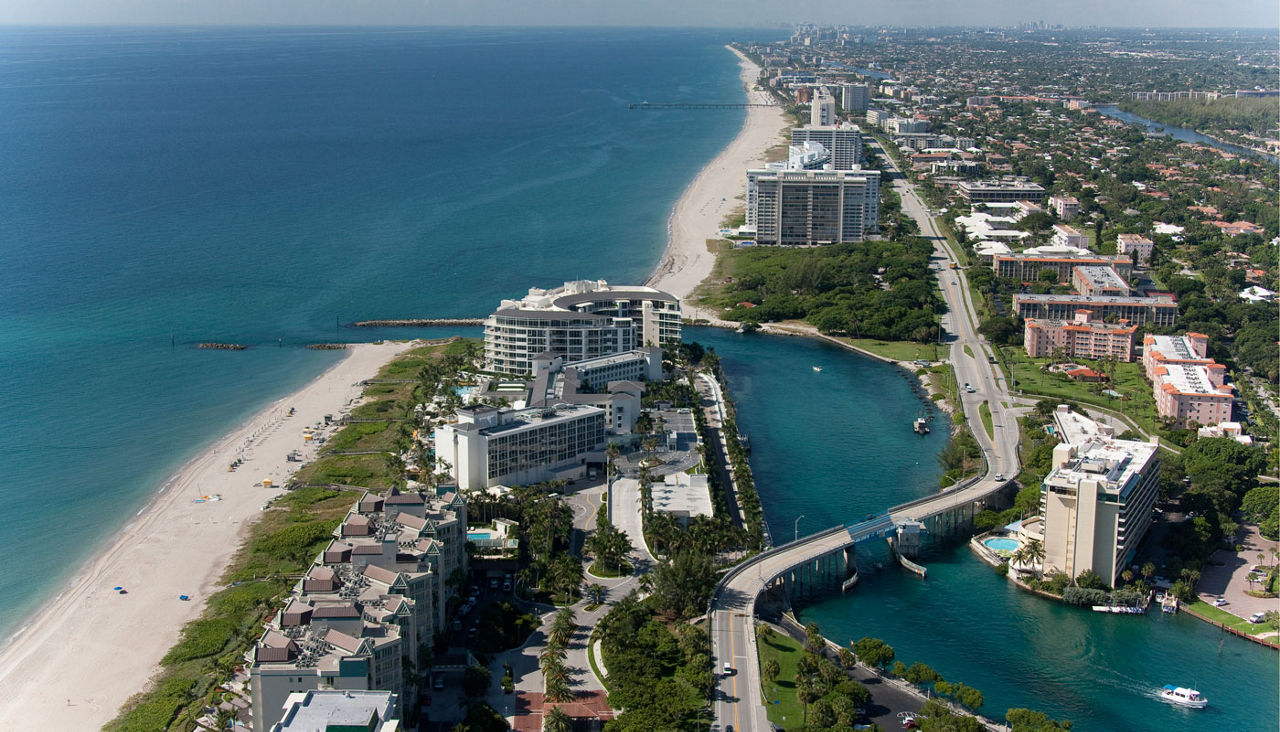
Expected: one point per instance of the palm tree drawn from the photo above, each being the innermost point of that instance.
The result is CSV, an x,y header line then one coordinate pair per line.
x,y
556,721
597,593
562,628
557,690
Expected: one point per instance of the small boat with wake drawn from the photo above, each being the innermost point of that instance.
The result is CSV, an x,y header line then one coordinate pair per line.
x,y
1183,697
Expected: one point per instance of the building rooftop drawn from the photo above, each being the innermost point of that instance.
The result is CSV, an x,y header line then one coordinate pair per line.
x,y
683,494
1100,277
321,711
1190,379
1095,455
1096,299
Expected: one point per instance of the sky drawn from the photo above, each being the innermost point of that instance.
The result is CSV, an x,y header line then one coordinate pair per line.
x,y
672,13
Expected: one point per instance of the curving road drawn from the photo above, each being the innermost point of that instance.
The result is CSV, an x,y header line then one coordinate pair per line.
x,y
737,698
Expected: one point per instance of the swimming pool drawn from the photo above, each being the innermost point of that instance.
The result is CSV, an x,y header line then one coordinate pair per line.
x,y
1001,544
479,535
465,391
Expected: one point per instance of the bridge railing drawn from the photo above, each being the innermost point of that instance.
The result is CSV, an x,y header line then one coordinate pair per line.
x,y
935,496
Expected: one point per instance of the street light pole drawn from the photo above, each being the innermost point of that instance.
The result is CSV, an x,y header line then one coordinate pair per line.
x,y
797,528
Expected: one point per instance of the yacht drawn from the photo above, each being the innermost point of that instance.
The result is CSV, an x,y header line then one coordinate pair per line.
x,y
1183,697
921,426
817,368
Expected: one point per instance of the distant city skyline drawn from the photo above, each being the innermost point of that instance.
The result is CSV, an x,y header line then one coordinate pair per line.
x,y
673,13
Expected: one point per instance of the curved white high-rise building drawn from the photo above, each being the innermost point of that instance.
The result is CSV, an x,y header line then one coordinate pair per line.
x,y
579,320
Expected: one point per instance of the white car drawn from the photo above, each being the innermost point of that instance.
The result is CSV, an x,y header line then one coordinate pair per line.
x,y
1219,601
728,669
1257,618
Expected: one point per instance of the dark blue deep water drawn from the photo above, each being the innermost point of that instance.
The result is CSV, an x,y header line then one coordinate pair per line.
x,y
164,187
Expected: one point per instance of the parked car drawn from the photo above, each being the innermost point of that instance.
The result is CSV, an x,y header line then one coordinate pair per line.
x,y
438,682
1257,618
1219,601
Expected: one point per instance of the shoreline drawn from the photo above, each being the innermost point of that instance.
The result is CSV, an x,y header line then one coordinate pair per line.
x,y
74,662
713,194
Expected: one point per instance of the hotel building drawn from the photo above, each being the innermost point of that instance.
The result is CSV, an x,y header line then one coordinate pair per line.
x,y
614,384
1093,280
1160,310
843,141
1004,190
340,711
490,446
1080,337
1095,505
1026,267
805,207
580,320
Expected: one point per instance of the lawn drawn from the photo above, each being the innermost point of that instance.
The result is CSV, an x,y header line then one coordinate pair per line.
x,y
780,695
984,411
1219,615
1136,402
897,350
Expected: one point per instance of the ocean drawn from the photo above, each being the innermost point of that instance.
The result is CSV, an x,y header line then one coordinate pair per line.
x,y
163,187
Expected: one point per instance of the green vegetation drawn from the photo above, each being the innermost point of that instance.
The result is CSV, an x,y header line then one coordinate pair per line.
x,y
1262,505
984,412
1251,115
780,699
960,458
280,546
506,626
880,290
660,673
1218,615
896,350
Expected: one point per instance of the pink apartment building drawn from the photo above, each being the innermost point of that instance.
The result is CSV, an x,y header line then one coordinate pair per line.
x,y
1188,386
1079,338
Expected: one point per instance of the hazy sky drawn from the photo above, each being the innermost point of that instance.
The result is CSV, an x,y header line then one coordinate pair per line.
x,y
721,13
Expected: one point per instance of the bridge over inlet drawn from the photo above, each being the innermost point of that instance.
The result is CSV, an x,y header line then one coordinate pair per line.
x,y
809,562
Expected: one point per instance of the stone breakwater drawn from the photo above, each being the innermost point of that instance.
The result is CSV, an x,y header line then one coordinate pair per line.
x,y
209,346
416,322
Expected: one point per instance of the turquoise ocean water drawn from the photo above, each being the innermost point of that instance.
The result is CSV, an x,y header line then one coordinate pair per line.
x,y
164,187
835,446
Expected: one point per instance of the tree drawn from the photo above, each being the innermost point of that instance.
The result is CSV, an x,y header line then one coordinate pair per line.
x,y
557,721
822,715
770,670
610,546
597,593
847,659
475,681
873,652
1089,580
920,673
1030,720
682,586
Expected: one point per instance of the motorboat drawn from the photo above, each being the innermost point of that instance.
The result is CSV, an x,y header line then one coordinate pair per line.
x,y
817,368
1183,697
921,426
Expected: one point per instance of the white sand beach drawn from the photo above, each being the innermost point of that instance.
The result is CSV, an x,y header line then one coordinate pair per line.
x,y
91,648
713,194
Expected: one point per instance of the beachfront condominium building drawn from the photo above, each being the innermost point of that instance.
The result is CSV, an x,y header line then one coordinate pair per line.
x,y
1189,387
1095,504
1158,310
1003,190
822,110
1080,337
1129,244
580,320
375,598
843,141
340,711
854,97
805,207
491,446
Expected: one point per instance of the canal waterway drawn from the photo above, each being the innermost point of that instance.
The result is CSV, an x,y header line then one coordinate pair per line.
x,y
1180,133
834,446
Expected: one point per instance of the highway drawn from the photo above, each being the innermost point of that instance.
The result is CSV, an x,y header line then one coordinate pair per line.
x,y
737,696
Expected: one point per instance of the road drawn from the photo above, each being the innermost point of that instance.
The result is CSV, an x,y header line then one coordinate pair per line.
x,y
737,695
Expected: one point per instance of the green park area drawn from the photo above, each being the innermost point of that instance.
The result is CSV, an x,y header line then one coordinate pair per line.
x,y
780,698
1135,399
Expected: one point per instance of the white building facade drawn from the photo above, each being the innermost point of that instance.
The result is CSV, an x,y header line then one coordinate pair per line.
x,y
806,207
578,321
843,141
490,446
